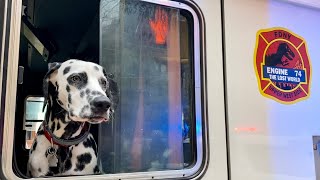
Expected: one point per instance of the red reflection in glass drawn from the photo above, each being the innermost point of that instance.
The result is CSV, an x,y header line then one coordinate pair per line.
x,y
160,26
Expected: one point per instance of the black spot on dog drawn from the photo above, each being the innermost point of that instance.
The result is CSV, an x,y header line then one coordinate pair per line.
x,y
39,169
58,126
90,142
79,167
70,129
50,89
70,62
71,112
41,132
81,94
49,173
69,98
88,91
57,89
54,170
53,125
94,93
68,88
66,70
87,143
35,145
83,159
57,85
96,169
68,164
57,112
63,117
69,116
63,155
78,80
96,68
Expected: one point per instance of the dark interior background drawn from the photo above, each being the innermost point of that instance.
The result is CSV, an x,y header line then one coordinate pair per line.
x,y
71,28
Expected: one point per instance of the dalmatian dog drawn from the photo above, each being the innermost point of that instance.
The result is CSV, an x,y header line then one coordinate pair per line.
x,y
77,94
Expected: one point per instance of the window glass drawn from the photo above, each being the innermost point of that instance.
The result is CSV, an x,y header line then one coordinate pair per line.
x,y
34,110
148,48
34,115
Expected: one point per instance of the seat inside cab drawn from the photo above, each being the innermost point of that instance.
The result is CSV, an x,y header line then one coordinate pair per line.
x,y
51,31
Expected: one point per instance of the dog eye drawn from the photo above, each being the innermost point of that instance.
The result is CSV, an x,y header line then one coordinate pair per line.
x,y
75,78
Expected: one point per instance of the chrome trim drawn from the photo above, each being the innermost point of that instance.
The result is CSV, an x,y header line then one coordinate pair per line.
x,y
200,102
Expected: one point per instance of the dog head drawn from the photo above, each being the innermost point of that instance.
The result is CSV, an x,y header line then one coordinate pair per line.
x,y
83,89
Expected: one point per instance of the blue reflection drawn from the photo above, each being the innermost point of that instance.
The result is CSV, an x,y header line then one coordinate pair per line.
x,y
185,130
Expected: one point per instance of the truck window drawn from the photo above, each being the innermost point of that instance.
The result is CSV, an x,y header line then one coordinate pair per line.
x,y
152,50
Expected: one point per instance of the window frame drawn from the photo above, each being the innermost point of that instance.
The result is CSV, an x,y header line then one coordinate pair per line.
x,y
10,87
3,52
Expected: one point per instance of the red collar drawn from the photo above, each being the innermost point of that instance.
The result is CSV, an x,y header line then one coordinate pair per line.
x,y
49,137
66,143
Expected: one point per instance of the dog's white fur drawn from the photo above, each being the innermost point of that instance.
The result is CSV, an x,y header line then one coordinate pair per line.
x,y
75,101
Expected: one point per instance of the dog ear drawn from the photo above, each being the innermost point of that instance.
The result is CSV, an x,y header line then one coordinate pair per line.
x,y
52,68
112,91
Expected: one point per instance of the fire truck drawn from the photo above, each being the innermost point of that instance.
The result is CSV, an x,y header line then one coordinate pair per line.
x,y
208,89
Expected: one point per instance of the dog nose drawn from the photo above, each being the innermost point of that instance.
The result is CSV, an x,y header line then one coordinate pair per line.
x,y
101,103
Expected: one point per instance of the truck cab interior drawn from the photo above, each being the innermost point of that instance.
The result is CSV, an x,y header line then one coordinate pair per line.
x,y
51,31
